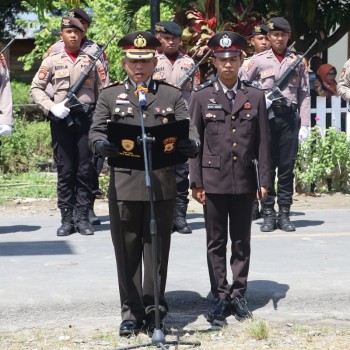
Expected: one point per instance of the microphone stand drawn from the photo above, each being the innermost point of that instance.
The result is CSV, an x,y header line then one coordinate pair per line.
x,y
158,338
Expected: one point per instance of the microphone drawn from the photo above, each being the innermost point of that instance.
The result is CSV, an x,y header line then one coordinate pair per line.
x,y
141,90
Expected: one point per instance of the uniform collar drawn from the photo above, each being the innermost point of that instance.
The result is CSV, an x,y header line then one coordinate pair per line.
x,y
225,88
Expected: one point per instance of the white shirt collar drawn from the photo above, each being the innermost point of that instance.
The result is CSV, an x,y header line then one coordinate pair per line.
x,y
225,88
134,84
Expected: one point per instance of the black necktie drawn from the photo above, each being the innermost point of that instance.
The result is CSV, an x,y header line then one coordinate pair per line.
x,y
230,95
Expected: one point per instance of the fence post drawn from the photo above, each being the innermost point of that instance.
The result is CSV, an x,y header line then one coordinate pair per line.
x,y
321,113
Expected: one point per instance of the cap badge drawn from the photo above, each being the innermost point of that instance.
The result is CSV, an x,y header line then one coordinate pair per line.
x,y
71,14
140,41
270,25
257,29
65,22
159,28
225,41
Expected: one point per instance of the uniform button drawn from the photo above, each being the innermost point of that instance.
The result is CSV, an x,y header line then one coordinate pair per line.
x,y
233,131
233,117
209,162
235,158
248,115
235,144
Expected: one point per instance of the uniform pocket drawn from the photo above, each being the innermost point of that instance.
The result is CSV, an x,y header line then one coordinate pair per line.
x,y
249,120
213,121
209,161
62,80
120,112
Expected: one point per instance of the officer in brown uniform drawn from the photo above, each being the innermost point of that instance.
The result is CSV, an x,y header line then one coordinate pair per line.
x,y
171,67
233,127
128,195
343,86
288,114
6,120
89,47
70,143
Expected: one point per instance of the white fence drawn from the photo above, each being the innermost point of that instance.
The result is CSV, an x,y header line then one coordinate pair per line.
x,y
335,115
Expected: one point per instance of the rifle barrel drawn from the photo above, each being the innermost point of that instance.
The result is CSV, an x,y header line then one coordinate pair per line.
x,y
5,48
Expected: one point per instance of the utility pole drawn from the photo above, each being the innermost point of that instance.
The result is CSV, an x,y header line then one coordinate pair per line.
x,y
155,13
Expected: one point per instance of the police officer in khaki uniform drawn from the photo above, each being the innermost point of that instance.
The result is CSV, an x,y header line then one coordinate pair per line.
x,y
89,47
128,195
233,127
289,113
70,143
171,67
6,119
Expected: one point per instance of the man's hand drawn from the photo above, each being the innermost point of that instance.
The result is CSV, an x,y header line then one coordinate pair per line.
x,y
263,193
188,147
59,110
199,195
105,148
5,129
303,133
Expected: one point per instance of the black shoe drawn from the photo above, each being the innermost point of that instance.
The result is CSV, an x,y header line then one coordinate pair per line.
x,y
66,229
130,327
283,221
218,312
240,309
269,223
93,219
83,225
150,324
179,223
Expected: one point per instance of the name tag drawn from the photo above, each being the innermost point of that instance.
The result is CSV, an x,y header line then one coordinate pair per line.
x,y
214,107
122,102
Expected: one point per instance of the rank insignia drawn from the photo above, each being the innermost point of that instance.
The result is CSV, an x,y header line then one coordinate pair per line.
x,y
247,105
130,110
123,96
169,144
128,145
169,109
157,109
210,116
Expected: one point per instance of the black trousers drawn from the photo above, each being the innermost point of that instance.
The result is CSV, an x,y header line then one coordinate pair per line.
x,y
73,158
284,132
218,210
182,182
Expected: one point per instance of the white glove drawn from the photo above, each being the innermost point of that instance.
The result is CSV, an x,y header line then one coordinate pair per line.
x,y
5,129
59,110
268,102
303,133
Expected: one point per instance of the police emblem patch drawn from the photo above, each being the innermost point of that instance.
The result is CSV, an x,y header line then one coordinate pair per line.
x,y
225,41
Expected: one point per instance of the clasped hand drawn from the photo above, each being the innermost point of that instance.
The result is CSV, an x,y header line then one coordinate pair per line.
x,y
106,149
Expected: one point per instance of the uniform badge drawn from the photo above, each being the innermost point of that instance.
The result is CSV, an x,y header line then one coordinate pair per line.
x,y
212,100
117,110
165,120
101,73
43,71
210,116
225,41
140,41
157,109
128,145
247,105
169,144
169,109
130,110
123,96
3,61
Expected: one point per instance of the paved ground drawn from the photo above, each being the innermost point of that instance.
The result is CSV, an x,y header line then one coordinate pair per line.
x,y
49,281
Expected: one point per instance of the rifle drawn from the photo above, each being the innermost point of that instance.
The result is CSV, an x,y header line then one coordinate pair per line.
x,y
275,93
71,98
8,45
188,76
257,176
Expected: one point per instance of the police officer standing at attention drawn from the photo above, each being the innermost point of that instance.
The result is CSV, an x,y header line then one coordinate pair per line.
x,y
89,47
128,195
171,67
6,119
288,114
233,128
70,143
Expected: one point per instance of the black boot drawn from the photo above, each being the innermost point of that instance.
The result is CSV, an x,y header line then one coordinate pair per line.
x,y
283,221
269,223
179,223
93,219
67,227
83,225
256,213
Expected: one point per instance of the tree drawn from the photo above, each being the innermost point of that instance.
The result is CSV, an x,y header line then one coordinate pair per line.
x,y
8,13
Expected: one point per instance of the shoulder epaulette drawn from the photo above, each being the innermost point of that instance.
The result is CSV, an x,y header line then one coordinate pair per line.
x,y
113,84
204,85
166,83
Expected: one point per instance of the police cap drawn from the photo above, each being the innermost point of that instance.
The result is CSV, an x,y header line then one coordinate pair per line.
x,y
71,22
168,27
227,44
260,29
79,13
280,24
139,45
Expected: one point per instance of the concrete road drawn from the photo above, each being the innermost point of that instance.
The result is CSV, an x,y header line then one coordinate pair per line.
x,y
47,281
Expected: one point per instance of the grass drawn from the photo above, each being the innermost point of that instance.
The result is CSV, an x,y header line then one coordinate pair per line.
x,y
32,184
